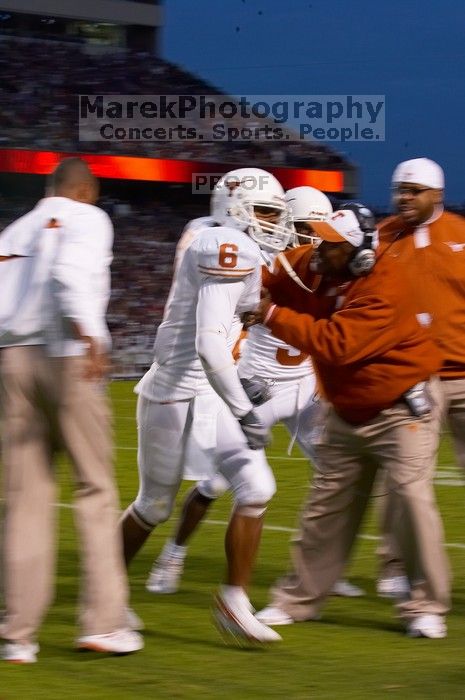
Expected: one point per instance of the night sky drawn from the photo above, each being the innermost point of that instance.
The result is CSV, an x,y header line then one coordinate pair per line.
x,y
409,51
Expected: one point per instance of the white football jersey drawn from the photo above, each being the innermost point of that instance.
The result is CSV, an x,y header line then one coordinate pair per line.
x,y
63,273
264,355
205,255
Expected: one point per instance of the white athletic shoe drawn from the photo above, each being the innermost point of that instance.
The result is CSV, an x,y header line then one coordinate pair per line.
x,y
17,653
393,587
119,642
430,626
346,589
166,572
273,616
235,619
133,621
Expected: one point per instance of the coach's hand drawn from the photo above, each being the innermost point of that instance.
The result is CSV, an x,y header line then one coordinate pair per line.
x,y
250,318
265,305
257,434
97,362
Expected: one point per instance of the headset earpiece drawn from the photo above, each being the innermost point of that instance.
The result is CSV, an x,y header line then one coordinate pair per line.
x,y
364,257
362,262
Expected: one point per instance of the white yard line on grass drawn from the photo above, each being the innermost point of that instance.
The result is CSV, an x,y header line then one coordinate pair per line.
x,y
281,528
276,528
445,476
444,470
448,482
291,459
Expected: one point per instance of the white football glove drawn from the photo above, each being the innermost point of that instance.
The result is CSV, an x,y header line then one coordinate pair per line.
x,y
257,434
257,389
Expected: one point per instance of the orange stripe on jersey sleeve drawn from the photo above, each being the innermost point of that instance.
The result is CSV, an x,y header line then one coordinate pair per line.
x,y
226,273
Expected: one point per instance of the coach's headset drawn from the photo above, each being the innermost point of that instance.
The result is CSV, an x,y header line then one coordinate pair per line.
x,y
363,259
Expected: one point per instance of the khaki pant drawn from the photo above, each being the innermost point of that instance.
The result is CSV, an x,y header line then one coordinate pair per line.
x,y
37,392
348,458
452,414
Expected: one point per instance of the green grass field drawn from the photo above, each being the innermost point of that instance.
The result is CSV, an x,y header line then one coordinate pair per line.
x,y
357,650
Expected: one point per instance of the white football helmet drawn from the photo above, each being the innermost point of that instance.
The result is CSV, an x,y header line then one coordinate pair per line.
x,y
240,194
308,204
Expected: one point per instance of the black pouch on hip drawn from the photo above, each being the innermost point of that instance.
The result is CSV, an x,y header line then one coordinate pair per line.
x,y
419,400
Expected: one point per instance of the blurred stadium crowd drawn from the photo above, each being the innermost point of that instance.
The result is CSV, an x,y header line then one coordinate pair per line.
x,y
41,82
40,85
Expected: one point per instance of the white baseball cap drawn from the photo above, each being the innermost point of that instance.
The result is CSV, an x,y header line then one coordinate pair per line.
x,y
420,171
308,204
341,226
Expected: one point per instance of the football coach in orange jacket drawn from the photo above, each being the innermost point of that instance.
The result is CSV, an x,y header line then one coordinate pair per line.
x,y
376,366
429,243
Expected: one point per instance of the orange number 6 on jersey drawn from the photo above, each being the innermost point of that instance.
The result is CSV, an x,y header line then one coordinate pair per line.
x,y
228,255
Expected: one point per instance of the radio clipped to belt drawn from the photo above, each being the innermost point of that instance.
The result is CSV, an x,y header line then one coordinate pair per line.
x,y
419,400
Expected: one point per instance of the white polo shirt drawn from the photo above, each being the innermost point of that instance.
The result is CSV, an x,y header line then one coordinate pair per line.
x,y
62,274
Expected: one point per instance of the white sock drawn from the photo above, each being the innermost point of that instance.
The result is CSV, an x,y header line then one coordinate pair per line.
x,y
175,550
233,594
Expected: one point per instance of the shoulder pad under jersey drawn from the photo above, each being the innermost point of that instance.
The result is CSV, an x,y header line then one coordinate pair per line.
x,y
227,252
200,222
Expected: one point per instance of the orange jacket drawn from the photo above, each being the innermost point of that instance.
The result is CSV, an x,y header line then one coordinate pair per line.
x,y
362,334
433,257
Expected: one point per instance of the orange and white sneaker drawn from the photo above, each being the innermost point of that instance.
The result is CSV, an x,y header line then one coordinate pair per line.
x,y
428,625
19,653
235,620
273,616
119,642
132,620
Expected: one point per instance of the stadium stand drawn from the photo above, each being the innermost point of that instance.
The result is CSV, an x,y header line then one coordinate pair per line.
x,y
41,81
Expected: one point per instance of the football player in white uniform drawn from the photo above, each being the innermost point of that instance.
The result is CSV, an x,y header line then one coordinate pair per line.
x,y
282,373
217,276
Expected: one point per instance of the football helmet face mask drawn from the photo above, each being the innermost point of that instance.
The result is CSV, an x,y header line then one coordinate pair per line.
x,y
253,201
307,204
